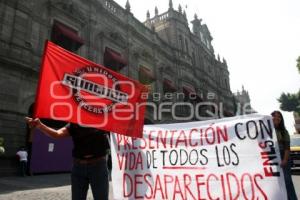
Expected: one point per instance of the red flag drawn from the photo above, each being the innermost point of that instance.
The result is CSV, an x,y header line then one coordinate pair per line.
x,y
77,90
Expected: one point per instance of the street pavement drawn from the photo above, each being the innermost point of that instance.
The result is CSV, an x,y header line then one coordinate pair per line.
x,y
57,187
37,187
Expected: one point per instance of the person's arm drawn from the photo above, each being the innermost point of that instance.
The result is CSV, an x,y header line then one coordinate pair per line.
x,y
285,158
36,123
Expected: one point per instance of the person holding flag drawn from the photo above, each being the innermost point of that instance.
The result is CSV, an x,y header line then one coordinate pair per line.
x,y
94,101
89,153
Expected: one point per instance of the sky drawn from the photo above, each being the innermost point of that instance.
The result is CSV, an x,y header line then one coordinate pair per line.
x,y
260,40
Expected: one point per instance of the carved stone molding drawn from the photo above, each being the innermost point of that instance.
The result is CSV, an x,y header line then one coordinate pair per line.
x,y
70,7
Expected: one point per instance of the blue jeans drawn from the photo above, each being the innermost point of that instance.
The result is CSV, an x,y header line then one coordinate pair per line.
x,y
96,175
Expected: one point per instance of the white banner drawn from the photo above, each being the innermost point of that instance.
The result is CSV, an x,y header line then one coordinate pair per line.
x,y
231,158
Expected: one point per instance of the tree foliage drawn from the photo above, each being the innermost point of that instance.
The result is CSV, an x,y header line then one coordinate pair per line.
x,y
298,64
291,102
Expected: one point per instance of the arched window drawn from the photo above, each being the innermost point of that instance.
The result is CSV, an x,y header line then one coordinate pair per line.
x,y
186,46
194,58
66,37
181,42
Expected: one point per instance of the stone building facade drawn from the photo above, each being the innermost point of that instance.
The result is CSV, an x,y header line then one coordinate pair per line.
x,y
243,103
174,61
